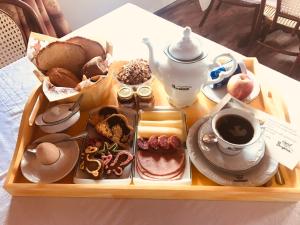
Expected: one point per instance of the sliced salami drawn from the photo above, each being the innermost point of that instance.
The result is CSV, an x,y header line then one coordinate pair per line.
x,y
153,142
174,142
163,143
142,144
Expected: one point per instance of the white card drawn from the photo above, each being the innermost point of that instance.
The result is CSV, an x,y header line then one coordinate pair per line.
x,y
283,142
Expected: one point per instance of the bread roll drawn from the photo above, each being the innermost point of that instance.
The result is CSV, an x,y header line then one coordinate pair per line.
x,y
61,54
92,48
148,131
96,66
61,77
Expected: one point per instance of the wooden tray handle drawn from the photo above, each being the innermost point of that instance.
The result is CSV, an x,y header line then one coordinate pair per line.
x,y
34,103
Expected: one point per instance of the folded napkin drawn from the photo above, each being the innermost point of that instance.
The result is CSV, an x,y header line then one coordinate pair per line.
x,y
16,83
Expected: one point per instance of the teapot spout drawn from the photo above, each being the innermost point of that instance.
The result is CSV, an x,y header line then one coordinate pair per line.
x,y
153,63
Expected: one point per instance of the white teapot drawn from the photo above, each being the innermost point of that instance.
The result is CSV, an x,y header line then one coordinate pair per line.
x,y
184,68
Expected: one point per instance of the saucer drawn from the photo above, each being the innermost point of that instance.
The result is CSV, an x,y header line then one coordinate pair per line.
x,y
36,172
218,93
58,118
257,176
246,159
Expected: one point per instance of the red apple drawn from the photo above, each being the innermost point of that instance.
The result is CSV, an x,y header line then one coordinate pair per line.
x,y
240,86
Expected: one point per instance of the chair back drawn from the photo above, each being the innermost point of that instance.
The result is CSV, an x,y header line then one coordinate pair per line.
x,y
13,41
40,28
13,44
289,9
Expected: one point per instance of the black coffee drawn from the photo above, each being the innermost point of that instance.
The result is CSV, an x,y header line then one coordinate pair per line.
x,y
235,129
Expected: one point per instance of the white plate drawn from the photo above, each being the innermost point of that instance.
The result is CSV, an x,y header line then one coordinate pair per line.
x,y
249,157
35,172
259,175
218,93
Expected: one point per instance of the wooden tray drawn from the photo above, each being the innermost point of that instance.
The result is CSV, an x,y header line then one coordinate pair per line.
x,y
201,188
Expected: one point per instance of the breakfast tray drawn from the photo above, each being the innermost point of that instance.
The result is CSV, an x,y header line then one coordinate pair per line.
x,y
201,187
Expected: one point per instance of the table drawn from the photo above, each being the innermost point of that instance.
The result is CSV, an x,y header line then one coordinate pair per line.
x,y
125,27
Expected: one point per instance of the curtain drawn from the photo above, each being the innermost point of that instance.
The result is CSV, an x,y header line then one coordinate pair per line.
x,y
49,13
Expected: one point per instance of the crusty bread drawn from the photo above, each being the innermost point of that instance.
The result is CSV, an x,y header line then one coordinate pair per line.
x,y
96,66
91,47
61,54
61,77
116,128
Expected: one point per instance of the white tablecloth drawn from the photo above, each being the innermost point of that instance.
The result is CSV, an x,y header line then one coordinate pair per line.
x,y
125,27
16,83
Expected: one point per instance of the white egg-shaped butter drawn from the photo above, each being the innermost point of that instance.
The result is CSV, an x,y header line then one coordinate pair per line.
x,y
47,153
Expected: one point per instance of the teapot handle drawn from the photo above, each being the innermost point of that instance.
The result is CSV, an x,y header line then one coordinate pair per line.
x,y
222,75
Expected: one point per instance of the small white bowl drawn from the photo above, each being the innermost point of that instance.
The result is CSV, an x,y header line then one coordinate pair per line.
x,y
134,86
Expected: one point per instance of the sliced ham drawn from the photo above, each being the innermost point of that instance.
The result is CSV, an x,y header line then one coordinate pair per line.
x,y
147,176
144,174
161,174
156,165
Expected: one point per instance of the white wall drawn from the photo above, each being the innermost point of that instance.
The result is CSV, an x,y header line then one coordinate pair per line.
x,y
81,12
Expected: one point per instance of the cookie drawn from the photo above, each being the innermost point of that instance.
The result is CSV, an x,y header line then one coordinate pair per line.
x,y
94,167
120,161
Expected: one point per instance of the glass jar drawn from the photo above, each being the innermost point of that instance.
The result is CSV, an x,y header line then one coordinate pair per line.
x,y
145,97
126,97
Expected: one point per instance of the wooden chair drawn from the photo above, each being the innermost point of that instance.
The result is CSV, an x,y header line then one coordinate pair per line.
x,y
13,41
254,4
286,17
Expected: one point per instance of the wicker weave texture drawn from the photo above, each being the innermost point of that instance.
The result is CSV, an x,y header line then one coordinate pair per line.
x,y
12,46
291,7
270,11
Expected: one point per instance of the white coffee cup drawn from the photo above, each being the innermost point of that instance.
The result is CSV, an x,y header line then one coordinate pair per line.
x,y
229,147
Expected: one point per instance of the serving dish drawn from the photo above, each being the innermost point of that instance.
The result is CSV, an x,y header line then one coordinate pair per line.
x,y
63,123
257,176
216,94
38,173
81,177
249,157
185,178
117,67
201,187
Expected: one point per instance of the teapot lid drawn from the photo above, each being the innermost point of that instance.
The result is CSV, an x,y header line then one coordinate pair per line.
x,y
186,49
